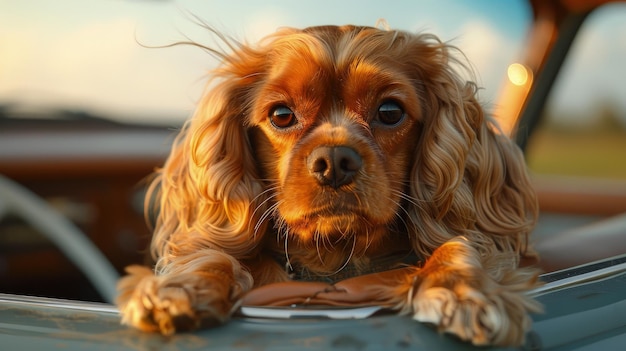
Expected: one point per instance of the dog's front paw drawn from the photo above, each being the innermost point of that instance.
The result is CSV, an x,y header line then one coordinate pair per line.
x,y
458,295
468,314
169,304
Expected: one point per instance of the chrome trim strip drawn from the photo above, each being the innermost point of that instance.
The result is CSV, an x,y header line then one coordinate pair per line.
x,y
583,274
58,303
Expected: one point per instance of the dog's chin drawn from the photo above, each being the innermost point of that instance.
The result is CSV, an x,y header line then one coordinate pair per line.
x,y
327,226
334,227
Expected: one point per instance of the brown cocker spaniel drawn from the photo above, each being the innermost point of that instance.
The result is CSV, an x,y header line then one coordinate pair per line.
x,y
330,152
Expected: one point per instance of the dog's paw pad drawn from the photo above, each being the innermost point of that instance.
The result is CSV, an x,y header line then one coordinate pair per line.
x,y
469,316
434,306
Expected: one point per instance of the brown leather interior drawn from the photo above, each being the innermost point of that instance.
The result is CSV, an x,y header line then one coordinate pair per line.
x,y
582,245
584,196
358,291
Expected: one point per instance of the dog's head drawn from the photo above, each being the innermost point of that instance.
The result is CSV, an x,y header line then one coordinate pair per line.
x,y
346,137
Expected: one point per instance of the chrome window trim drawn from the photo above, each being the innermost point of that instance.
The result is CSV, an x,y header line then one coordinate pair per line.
x,y
583,274
35,301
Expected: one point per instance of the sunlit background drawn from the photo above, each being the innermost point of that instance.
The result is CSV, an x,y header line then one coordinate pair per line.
x,y
86,54
91,55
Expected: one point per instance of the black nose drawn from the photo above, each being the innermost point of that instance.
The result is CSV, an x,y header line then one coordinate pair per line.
x,y
334,165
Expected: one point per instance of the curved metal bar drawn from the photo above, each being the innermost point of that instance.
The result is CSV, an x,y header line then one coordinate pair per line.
x,y
70,240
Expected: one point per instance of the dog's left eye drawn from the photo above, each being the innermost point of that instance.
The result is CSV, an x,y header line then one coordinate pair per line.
x,y
390,113
282,117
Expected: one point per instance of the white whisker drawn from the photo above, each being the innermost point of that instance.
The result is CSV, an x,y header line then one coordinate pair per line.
x,y
317,236
266,214
367,239
259,206
412,200
345,264
398,215
286,247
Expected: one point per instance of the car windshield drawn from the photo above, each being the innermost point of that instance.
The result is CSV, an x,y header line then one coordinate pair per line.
x,y
93,56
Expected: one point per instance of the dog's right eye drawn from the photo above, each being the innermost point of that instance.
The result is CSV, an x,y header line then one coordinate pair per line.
x,y
390,113
282,117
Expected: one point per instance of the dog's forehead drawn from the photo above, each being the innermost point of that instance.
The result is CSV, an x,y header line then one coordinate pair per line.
x,y
324,70
331,48
337,60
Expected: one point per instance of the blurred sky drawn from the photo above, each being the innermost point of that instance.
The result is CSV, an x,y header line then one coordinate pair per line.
x,y
84,54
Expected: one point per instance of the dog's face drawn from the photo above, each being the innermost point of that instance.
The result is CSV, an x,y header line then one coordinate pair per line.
x,y
335,132
341,140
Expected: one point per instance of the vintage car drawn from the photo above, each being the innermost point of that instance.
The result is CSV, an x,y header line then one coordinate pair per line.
x,y
71,215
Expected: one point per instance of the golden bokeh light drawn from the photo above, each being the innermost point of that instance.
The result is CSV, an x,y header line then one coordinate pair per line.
x,y
518,74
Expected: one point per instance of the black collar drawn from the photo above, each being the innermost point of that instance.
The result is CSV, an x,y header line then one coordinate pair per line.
x,y
375,265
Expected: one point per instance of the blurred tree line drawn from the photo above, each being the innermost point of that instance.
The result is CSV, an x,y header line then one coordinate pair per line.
x,y
579,145
607,118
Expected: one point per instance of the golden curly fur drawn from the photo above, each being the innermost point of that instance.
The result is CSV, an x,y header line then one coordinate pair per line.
x,y
324,150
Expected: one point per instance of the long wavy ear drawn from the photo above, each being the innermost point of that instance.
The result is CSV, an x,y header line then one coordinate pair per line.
x,y
469,179
207,192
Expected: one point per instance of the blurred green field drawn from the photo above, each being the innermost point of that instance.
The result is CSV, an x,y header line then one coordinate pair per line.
x,y
590,153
